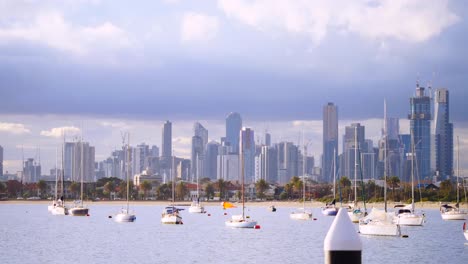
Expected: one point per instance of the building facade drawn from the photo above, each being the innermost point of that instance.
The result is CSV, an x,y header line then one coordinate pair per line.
x,y
443,135
330,140
233,128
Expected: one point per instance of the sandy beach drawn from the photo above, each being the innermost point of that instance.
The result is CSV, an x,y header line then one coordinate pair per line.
x,y
291,204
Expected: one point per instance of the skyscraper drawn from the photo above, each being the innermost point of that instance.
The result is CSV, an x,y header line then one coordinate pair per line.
x,y
288,161
443,135
330,140
31,171
211,160
247,149
197,158
79,160
1,161
349,145
202,132
166,154
233,128
420,129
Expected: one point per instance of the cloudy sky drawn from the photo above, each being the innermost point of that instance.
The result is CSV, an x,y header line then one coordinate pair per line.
x,y
100,67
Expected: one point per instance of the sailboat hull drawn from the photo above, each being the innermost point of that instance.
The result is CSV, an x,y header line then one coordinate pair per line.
x,y
196,209
301,216
356,215
453,215
124,218
409,219
78,211
377,228
329,211
241,223
466,234
171,219
59,210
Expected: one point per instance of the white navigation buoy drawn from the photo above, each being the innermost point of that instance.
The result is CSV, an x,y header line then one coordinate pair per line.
x,y
342,243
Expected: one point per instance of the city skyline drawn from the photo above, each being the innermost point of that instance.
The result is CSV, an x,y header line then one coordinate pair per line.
x,y
87,66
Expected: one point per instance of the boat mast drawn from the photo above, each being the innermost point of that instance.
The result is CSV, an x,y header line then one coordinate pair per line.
x,y
173,180
242,179
82,170
458,168
303,173
334,173
63,170
56,174
385,155
412,170
355,165
128,169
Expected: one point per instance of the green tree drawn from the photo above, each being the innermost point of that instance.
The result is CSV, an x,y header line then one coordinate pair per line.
x,y
163,192
393,182
209,191
446,189
181,191
74,188
42,185
109,187
222,188
296,183
288,191
261,186
345,185
145,186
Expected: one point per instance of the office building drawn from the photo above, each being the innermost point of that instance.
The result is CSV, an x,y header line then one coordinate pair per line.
x,y
443,135
233,128
330,140
247,149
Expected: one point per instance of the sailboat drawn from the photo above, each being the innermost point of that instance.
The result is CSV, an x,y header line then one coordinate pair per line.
x,y
196,207
170,214
60,207
302,214
354,211
241,221
54,202
449,212
406,215
380,222
330,208
465,231
125,215
79,209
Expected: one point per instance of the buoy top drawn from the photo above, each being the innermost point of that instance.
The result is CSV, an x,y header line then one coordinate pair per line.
x,y
342,235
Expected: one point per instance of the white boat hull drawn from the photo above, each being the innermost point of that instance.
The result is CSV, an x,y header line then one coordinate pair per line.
x,y
466,234
124,218
78,211
301,216
453,215
197,209
330,211
409,219
171,219
377,228
59,210
241,223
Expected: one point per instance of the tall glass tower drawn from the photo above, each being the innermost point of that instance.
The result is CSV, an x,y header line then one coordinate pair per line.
x,y
420,129
443,135
233,128
330,140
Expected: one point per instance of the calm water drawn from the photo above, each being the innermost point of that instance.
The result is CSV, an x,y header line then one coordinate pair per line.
x,y
29,234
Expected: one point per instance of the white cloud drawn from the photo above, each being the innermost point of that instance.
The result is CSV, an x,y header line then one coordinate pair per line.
x,y
51,29
58,132
14,128
409,21
198,27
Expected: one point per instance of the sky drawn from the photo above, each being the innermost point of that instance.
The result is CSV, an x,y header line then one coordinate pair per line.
x,y
100,67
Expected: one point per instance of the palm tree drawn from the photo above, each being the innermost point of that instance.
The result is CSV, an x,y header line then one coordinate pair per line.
x,y
145,186
222,186
209,190
288,190
181,191
42,186
163,191
74,188
393,182
261,186
109,187
296,183
345,184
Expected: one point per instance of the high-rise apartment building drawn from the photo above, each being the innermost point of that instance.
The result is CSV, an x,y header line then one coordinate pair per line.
x,y
349,148
233,128
31,171
288,161
211,157
247,150
420,129
79,161
166,145
330,140
197,159
202,132
443,135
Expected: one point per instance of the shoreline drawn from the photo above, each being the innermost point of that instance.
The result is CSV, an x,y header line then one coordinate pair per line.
x,y
293,204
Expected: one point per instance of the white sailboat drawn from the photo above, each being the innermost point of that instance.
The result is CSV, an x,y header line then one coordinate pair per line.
x,y
465,231
170,214
241,221
302,214
449,212
406,215
125,215
80,209
380,222
196,206
60,208
354,211
54,202
331,209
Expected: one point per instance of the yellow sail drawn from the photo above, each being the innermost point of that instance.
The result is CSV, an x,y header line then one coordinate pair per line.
x,y
228,205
